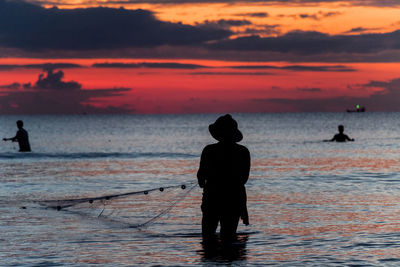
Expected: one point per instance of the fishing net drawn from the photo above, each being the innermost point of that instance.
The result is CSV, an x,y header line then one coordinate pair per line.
x,y
136,209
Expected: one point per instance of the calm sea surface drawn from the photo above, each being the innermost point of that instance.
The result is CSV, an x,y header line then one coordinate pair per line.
x,y
310,202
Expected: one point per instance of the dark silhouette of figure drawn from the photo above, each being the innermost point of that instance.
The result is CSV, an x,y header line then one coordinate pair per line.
x,y
223,173
21,137
340,137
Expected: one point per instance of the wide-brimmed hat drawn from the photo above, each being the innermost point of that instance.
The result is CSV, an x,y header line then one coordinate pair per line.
x,y
225,128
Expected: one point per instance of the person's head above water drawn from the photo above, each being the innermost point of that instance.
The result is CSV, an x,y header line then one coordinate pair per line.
x,y
20,124
341,128
225,128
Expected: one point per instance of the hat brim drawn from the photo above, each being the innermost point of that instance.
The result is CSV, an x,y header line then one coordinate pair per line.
x,y
235,136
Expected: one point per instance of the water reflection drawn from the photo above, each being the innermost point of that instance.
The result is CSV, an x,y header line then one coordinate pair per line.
x,y
311,204
217,251
266,167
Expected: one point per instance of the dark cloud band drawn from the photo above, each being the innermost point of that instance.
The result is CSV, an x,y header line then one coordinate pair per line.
x,y
166,65
337,68
28,30
45,66
33,28
313,43
378,3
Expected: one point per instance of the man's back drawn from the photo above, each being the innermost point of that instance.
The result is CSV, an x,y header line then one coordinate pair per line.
x,y
23,140
224,165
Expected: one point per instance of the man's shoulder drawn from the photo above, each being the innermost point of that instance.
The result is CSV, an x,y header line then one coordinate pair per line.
x,y
242,148
218,146
210,147
22,131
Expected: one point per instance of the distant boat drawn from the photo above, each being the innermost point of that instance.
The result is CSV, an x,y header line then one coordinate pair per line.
x,y
358,109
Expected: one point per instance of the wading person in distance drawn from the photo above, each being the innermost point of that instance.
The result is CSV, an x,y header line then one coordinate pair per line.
x,y
223,173
21,137
340,137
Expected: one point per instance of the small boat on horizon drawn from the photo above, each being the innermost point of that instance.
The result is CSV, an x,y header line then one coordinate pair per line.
x,y
358,109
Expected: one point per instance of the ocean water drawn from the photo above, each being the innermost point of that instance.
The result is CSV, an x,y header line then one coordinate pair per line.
x,y
311,203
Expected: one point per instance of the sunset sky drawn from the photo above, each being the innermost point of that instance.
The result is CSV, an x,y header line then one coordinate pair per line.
x,y
195,56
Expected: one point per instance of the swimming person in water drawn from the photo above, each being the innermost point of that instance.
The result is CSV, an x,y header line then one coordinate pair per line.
x,y
21,137
340,137
223,172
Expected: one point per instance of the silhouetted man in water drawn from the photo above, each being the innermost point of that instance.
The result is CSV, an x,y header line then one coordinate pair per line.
x,y
340,137
223,173
21,137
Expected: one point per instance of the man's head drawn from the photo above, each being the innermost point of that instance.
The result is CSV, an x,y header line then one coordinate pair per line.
x,y
225,128
20,124
341,128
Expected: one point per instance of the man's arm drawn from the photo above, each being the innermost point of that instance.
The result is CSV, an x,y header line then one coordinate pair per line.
x,y
202,173
331,140
245,172
14,139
